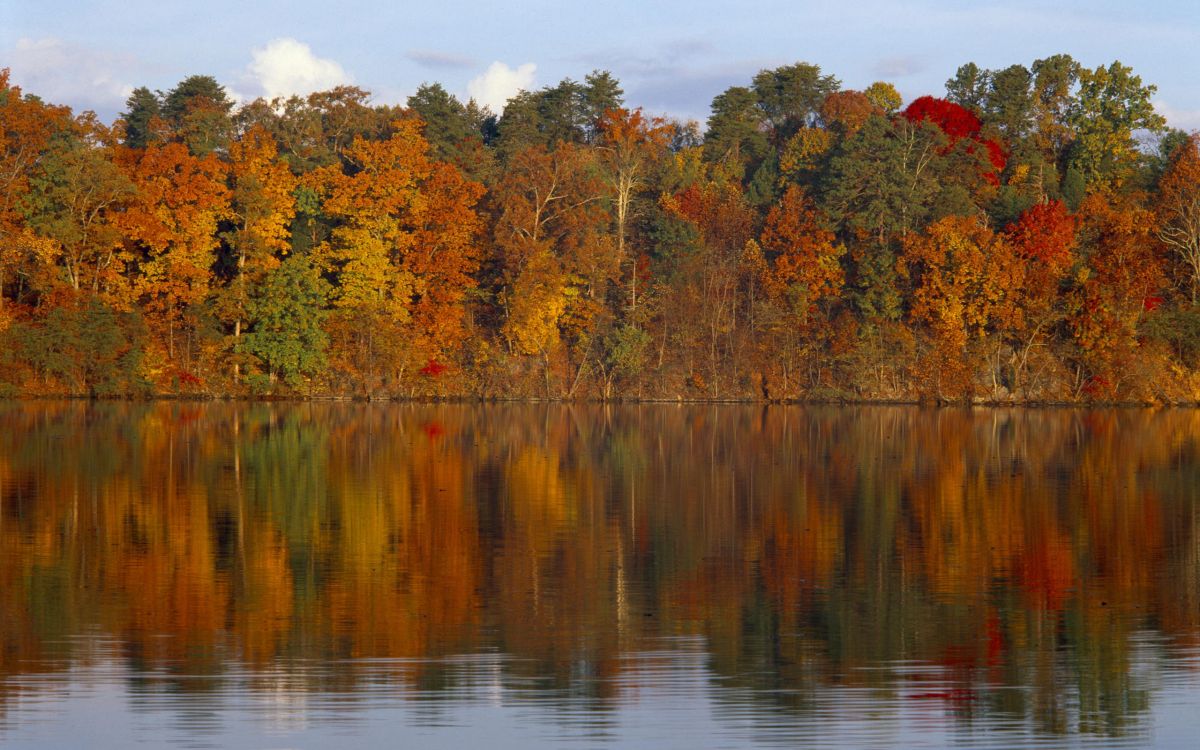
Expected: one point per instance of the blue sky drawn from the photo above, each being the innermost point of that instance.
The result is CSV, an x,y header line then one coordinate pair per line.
x,y
672,57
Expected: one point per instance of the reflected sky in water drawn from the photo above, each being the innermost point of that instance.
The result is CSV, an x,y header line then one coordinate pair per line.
x,y
317,575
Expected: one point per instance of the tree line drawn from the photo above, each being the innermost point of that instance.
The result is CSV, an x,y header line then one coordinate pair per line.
x,y
1033,234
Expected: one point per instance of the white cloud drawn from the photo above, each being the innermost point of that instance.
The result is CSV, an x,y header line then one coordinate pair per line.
x,y
65,73
1178,118
287,66
499,83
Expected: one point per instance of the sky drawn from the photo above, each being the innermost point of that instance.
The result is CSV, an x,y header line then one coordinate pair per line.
x,y
672,57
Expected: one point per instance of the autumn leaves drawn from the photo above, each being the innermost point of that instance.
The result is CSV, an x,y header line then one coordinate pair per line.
x,y
1016,240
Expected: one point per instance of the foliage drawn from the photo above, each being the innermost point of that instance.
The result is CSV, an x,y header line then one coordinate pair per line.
x,y
1024,237
84,347
285,322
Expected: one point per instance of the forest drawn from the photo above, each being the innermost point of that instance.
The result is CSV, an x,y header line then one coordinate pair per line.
x,y
1030,235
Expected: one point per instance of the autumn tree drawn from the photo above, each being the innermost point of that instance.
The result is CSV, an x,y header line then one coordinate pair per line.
x,y
806,155
262,207
630,146
813,240
1122,285
847,111
556,254
26,129
74,200
708,301
1178,209
884,96
402,254
171,222
960,125
1043,239
446,253
961,273
802,270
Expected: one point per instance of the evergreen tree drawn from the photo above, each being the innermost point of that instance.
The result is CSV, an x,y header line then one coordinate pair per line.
x,y
143,109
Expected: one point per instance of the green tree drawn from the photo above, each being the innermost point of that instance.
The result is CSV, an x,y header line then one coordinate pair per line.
x,y
1009,106
881,185
454,130
286,333
87,346
143,118
74,200
735,137
447,124
1054,81
553,115
1112,105
601,93
790,97
627,350
969,87
198,111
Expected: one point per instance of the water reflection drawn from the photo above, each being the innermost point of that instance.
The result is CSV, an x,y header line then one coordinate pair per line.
x,y
227,574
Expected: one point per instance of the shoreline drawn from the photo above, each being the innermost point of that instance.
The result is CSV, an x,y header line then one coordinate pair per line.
x,y
498,400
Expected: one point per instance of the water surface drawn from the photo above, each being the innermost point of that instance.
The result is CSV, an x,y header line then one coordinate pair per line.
x,y
314,576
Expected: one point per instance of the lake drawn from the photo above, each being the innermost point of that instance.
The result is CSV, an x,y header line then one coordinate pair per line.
x,y
524,576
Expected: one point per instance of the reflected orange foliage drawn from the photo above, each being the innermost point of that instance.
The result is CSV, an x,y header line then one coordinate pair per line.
x,y
969,540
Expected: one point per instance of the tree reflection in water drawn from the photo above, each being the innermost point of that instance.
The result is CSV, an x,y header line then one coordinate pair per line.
x,y
1010,568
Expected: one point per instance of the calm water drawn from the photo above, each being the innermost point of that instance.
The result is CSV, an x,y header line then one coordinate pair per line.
x,y
340,576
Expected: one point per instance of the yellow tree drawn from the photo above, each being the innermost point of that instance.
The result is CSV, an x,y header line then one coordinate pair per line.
x,y
403,252
556,259
262,208
804,154
961,273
